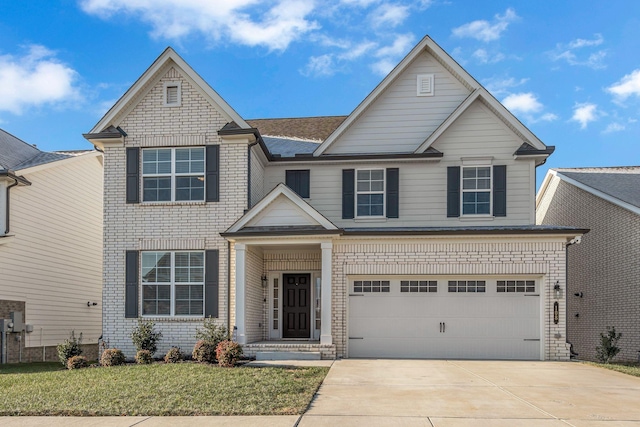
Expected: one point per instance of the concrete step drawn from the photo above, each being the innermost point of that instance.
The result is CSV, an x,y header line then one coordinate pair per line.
x,y
287,355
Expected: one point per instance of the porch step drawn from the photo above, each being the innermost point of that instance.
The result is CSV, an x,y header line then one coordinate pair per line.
x,y
287,355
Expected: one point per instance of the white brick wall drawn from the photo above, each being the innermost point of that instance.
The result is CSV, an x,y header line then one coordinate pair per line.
x,y
167,226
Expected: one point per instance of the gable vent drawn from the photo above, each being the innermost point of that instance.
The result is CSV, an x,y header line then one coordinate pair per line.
x,y
172,95
425,85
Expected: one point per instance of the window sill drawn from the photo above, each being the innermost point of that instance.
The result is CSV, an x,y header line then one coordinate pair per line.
x,y
371,219
6,238
176,319
179,203
477,218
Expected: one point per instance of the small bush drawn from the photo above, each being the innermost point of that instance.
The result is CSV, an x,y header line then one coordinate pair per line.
x,y
69,348
112,357
144,337
144,357
77,362
608,348
204,352
212,332
174,355
228,353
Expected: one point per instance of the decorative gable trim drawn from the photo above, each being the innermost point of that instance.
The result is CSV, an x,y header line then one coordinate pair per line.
x,y
281,190
167,59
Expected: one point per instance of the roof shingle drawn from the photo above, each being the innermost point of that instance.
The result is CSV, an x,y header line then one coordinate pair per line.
x,y
308,128
623,183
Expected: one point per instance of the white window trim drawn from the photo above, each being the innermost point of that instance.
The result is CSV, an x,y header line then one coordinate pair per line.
x,y
173,176
172,283
489,190
164,93
384,195
419,81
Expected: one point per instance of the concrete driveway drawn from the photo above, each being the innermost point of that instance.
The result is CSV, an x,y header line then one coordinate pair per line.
x,y
440,393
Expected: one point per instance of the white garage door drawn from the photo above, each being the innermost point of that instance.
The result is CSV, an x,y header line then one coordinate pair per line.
x,y
444,318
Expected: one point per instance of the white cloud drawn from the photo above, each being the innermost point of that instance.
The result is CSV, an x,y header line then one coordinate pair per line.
x,y
35,79
628,86
320,66
585,113
522,103
484,30
247,22
485,57
500,86
389,55
614,127
389,15
357,51
548,117
567,52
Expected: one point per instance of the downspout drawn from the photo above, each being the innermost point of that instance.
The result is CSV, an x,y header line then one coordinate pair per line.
x,y
249,147
15,183
229,330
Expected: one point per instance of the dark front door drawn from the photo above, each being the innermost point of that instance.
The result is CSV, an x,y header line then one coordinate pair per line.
x,y
297,299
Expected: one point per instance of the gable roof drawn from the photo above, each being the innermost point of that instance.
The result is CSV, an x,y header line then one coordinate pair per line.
x,y
427,44
15,154
142,85
309,128
318,224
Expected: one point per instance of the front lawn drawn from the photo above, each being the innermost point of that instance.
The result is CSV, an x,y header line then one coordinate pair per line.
x,y
158,389
625,368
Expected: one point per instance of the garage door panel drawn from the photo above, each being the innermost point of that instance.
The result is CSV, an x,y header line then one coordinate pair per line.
x,y
443,324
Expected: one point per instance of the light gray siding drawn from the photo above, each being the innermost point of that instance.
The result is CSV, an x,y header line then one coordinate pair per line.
x,y
399,120
477,133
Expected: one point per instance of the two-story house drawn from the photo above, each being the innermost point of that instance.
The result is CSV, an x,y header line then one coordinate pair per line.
x,y
406,229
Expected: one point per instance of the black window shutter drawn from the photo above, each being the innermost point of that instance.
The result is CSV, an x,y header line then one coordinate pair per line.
x,y
500,190
348,193
453,191
133,175
298,181
212,269
393,187
213,173
131,287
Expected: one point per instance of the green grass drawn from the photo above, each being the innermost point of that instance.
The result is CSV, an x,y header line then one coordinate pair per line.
x,y
625,368
158,389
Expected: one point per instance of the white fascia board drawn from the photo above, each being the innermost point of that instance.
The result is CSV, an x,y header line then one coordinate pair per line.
x,y
281,189
371,98
168,55
60,162
599,193
448,121
545,184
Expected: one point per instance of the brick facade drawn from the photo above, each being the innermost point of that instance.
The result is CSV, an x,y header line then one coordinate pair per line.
x,y
604,267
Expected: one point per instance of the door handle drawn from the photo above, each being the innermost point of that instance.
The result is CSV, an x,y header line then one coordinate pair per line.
x,y
440,327
444,327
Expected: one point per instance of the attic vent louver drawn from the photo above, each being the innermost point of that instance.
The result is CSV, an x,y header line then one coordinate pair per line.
x,y
425,84
172,93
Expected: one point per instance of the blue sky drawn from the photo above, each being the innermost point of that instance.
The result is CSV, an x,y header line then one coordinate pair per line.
x,y
569,70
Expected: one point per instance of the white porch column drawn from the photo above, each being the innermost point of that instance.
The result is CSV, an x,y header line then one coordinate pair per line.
x,y
240,289
325,320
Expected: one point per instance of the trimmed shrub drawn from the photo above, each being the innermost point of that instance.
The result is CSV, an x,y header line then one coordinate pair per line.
x,y
204,352
144,337
608,348
228,353
212,332
69,348
112,357
144,357
174,355
77,362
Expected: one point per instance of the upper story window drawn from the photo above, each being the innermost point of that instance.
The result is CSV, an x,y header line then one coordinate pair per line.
x,y
172,94
370,191
298,181
476,190
172,283
173,174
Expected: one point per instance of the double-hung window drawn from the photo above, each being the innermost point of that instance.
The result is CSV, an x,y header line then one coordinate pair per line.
x,y
476,190
172,283
173,174
370,189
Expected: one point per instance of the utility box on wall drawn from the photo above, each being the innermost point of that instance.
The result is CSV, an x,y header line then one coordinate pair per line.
x,y
18,322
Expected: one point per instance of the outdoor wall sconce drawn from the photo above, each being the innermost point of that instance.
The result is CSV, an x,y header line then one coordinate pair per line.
x,y
579,294
265,282
556,290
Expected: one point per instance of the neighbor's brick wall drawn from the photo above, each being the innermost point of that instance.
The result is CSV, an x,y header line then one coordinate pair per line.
x,y
495,257
168,226
605,267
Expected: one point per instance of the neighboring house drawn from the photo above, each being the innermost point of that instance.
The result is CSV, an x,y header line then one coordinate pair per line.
x,y
50,248
604,269
406,229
